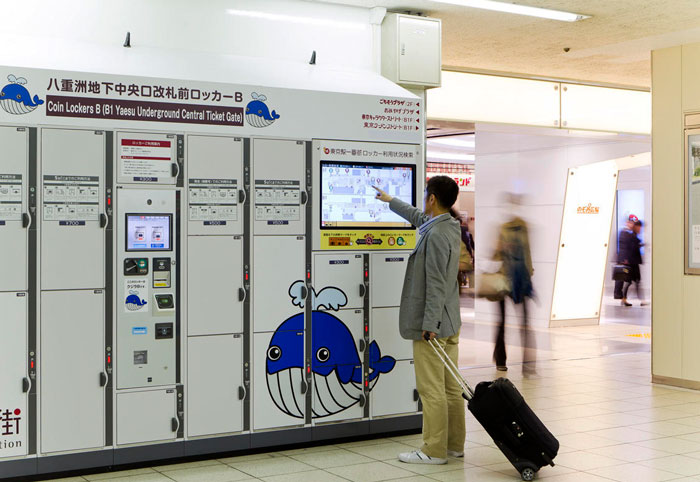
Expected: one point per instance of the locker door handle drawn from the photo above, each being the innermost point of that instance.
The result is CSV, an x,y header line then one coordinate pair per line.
x,y
241,393
304,387
363,290
363,400
175,169
26,385
304,292
242,196
174,424
304,197
103,379
242,294
26,220
104,220
363,345
415,395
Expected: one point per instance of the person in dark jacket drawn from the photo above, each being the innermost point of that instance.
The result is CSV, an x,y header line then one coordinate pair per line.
x,y
630,254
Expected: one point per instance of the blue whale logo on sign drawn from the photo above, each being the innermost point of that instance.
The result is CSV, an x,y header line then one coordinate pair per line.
x,y
16,99
133,302
258,114
336,365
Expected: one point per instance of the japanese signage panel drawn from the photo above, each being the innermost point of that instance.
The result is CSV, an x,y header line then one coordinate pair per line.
x,y
116,101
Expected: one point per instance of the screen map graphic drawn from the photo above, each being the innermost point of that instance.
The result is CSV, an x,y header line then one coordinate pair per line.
x,y
348,199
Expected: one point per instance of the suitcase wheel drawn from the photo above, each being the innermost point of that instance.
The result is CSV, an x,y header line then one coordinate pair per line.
x,y
528,473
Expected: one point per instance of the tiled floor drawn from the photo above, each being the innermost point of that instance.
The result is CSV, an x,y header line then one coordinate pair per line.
x,y
592,390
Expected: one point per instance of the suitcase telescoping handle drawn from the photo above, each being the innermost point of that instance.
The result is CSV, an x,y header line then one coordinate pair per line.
x,y
467,391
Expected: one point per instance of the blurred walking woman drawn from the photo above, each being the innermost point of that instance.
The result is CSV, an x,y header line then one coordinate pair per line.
x,y
513,250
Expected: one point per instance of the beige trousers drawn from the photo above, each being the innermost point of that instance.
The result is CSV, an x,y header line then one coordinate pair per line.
x,y
443,406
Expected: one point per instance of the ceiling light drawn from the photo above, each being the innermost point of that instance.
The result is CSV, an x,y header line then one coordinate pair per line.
x,y
518,9
450,156
448,141
297,19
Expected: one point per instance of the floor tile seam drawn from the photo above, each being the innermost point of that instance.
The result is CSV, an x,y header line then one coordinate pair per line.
x,y
310,467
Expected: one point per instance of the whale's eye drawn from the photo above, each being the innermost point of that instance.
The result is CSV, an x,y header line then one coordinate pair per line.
x,y
274,353
323,354
248,109
2,94
260,112
19,97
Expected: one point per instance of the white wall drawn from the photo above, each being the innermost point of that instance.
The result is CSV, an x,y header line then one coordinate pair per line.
x,y
534,162
42,33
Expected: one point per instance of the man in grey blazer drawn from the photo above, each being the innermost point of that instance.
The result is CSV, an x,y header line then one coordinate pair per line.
x,y
430,305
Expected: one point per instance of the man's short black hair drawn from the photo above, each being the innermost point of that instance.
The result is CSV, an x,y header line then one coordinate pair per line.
x,y
445,190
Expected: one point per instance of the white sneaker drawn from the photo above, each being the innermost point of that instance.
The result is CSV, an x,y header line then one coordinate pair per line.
x,y
418,457
454,453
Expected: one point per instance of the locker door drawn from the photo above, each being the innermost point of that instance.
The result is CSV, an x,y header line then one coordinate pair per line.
x,y
337,365
13,205
394,392
278,263
384,326
214,384
341,271
278,395
215,182
387,271
215,275
278,186
72,360
72,238
13,353
147,416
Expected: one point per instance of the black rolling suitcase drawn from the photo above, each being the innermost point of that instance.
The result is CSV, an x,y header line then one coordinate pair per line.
x,y
504,414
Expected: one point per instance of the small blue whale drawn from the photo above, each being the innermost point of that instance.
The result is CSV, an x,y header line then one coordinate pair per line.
x,y
258,114
134,303
336,365
16,99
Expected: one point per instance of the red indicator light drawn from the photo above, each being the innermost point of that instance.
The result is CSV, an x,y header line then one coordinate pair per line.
x,y
109,201
308,370
308,275
366,274
366,328
31,364
109,359
366,383
246,276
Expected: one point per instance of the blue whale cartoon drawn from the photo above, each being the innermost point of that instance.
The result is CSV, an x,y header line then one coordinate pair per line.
x,y
336,365
16,99
134,303
258,113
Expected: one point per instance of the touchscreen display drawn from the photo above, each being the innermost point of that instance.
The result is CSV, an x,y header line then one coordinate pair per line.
x,y
148,232
349,201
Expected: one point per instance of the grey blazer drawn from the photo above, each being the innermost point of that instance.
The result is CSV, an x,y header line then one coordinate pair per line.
x,y
430,295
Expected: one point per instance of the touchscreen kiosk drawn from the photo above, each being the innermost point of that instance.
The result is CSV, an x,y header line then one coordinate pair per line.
x,y
348,199
148,232
351,216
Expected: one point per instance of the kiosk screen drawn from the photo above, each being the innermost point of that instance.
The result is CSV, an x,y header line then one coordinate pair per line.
x,y
148,232
349,201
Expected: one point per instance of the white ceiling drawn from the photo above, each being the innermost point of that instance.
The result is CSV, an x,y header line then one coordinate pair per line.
x,y
612,46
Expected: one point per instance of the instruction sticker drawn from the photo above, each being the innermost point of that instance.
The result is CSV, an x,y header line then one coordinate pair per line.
x,y
145,159
277,200
11,197
135,295
213,201
71,198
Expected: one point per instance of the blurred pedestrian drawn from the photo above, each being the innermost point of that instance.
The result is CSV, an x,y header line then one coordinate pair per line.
x,y
513,250
630,254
